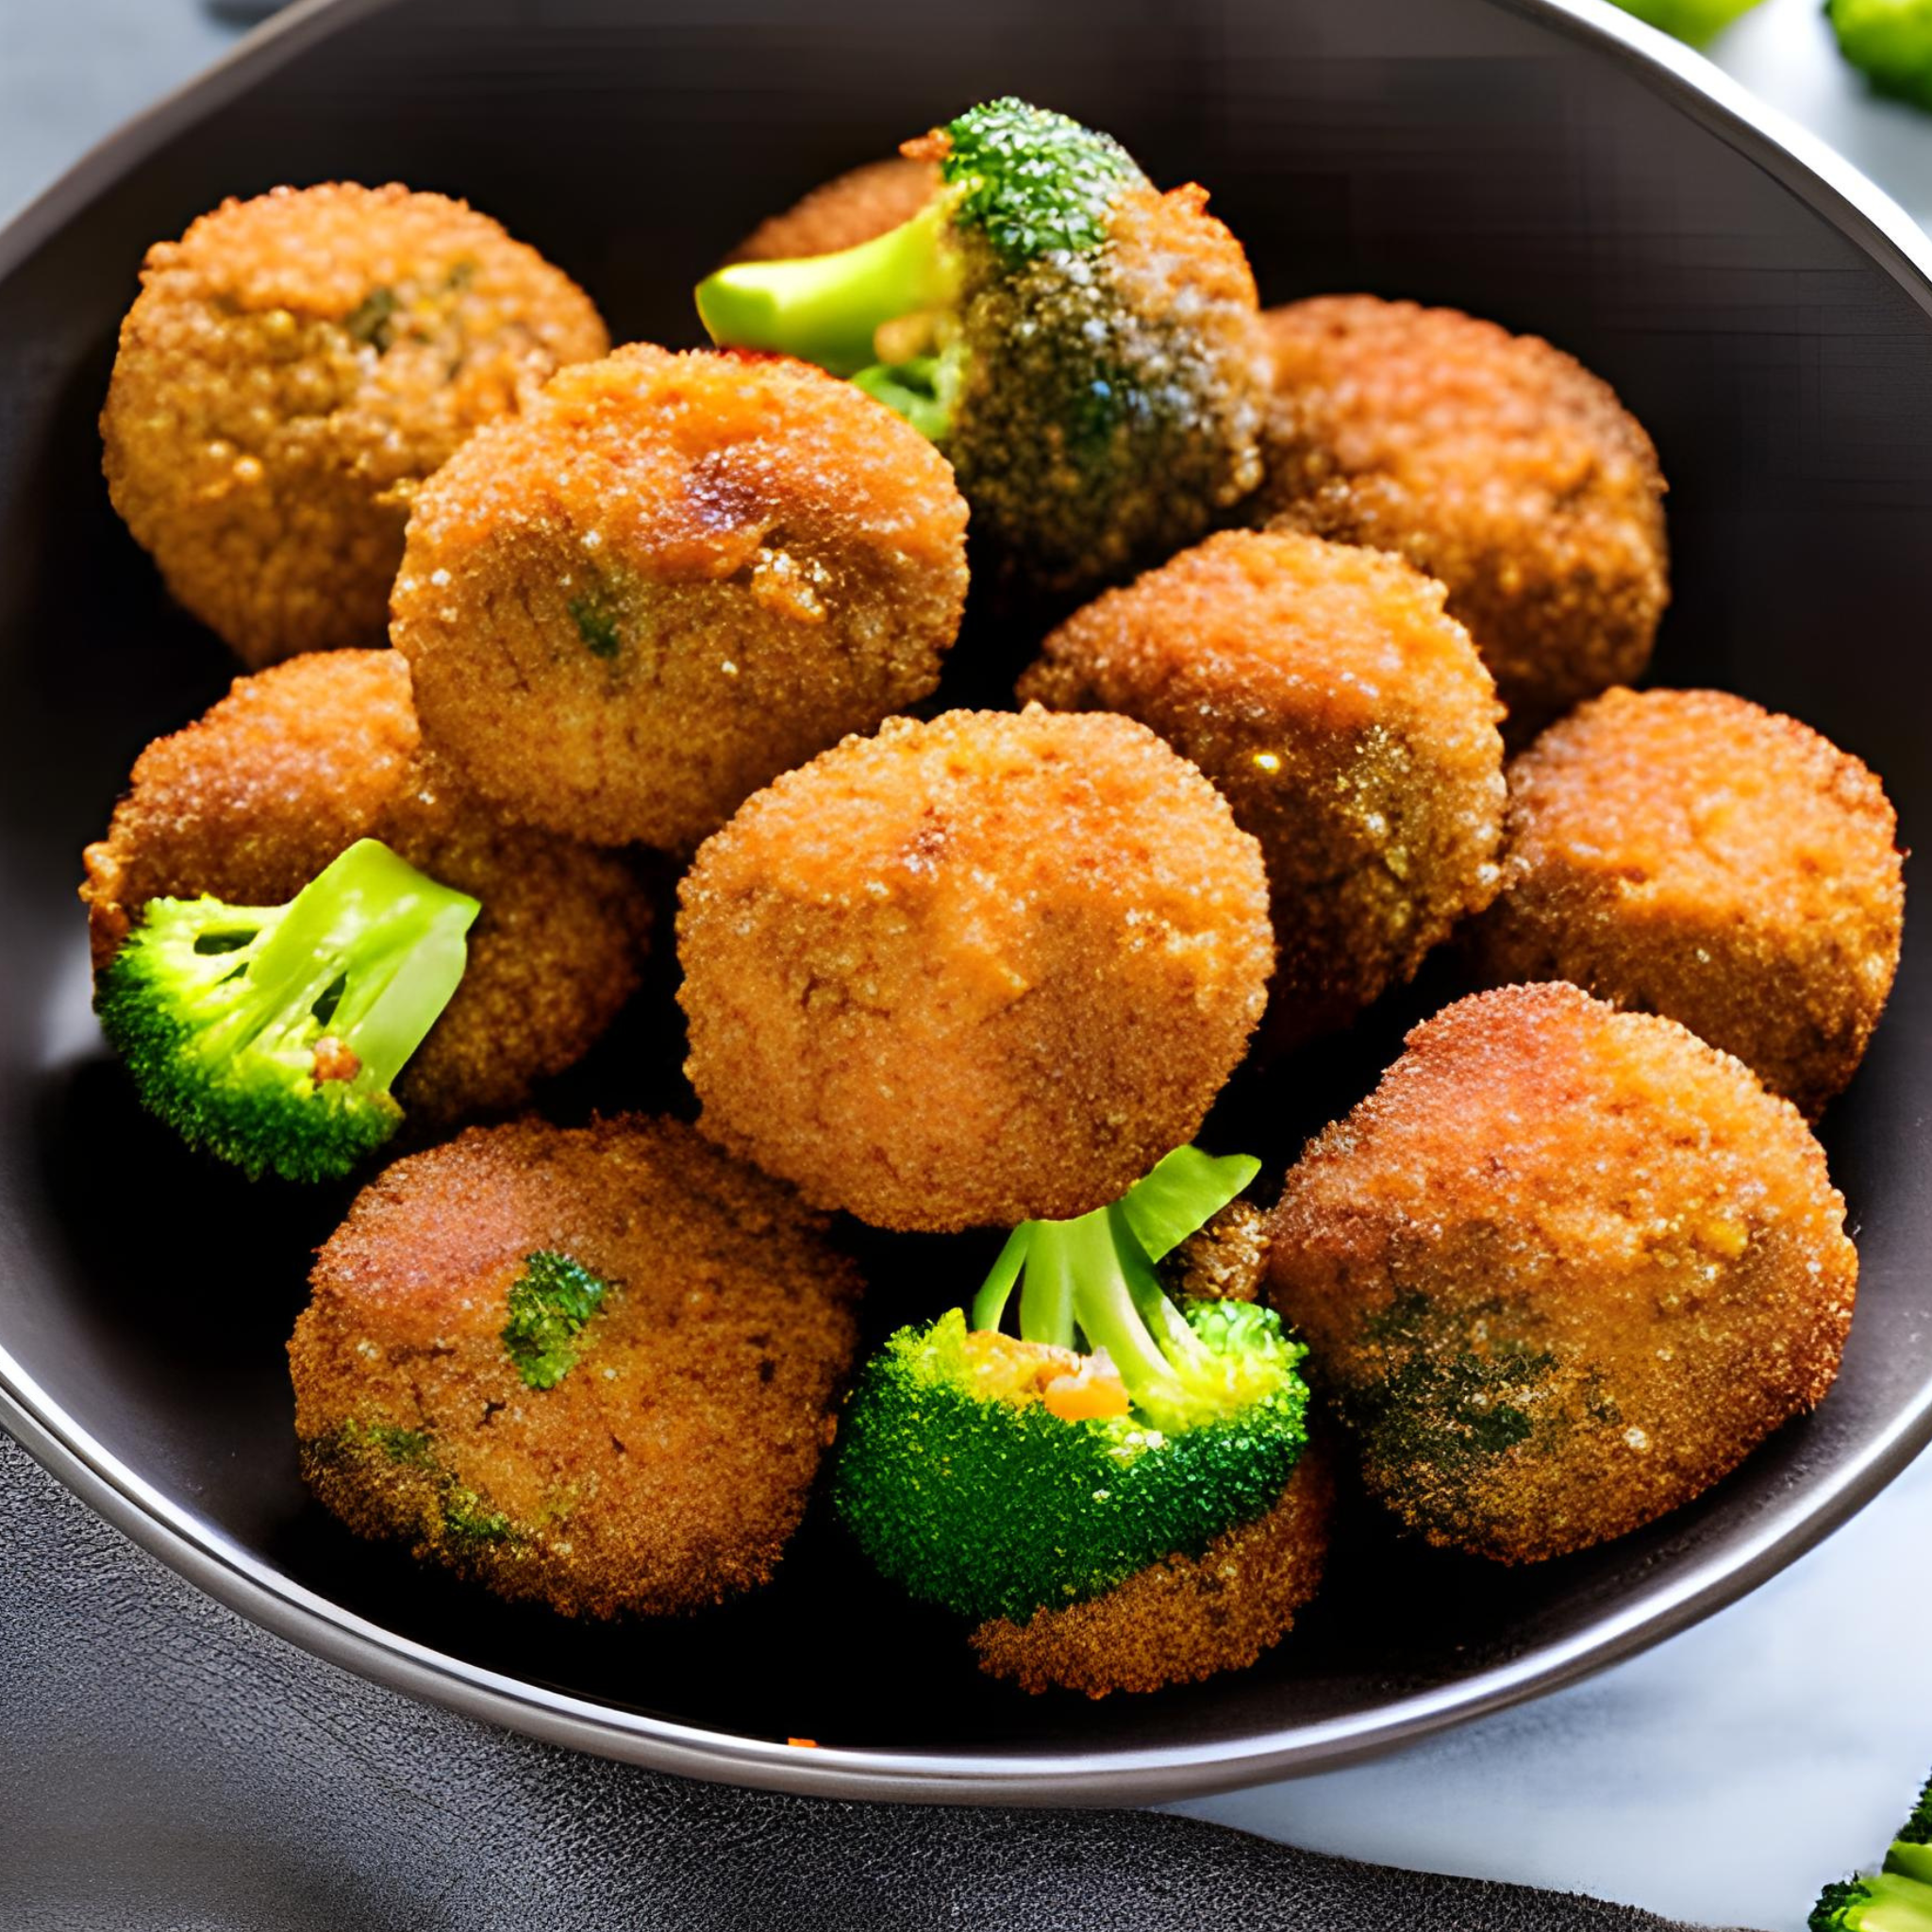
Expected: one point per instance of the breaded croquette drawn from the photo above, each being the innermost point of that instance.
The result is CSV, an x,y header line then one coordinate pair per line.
x,y
675,577
295,764
593,1367
292,369
1346,718
851,207
1493,461
1688,852
978,971
1563,1269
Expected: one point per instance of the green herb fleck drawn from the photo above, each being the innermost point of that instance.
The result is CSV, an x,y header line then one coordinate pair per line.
x,y
462,274
549,1304
369,320
597,627
466,1518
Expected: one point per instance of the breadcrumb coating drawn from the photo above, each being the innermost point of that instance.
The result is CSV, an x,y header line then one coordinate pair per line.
x,y
676,576
1346,718
296,763
291,370
978,971
1184,1618
1493,461
1688,852
855,206
667,1464
1563,1270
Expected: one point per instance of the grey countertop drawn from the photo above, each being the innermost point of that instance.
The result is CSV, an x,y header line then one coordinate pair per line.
x,y
1719,1778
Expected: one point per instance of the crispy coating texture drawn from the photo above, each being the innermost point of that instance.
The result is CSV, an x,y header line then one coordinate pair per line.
x,y
976,971
669,1466
1493,461
676,576
1562,1270
291,370
855,206
1184,1618
1688,853
299,761
1346,718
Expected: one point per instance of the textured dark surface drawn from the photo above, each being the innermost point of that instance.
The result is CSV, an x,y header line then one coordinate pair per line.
x,y
166,1764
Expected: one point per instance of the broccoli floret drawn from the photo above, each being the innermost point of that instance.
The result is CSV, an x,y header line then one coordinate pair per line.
x,y
1099,402
269,1035
998,1476
1899,1898
1889,42
549,1304
1696,21
1911,1850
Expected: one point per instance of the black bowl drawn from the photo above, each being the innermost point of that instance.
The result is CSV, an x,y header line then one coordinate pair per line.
x,y
1760,307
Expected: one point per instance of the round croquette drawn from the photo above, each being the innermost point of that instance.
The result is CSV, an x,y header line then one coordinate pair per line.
x,y
1183,1619
1346,718
1561,1271
1687,852
593,1367
858,206
291,370
978,971
1493,461
676,576
299,761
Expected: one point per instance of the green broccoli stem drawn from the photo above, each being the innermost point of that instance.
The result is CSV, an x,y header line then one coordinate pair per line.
x,y
828,308
1884,1903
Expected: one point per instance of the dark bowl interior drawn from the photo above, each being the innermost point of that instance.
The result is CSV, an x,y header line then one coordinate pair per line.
x,y
1455,150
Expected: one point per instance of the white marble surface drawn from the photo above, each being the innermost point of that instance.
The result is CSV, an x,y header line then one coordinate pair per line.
x,y
1720,1778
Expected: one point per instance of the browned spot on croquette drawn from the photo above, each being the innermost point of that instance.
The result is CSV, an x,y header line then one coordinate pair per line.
x,y
291,370
1562,1270
672,580
299,761
975,971
1688,853
1493,461
668,1464
852,207
1346,718
1184,1618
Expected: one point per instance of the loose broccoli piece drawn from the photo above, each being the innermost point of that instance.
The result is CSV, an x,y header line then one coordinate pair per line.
x,y
549,1304
1695,21
1899,1898
997,1476
1083,349
1888,41
269,1035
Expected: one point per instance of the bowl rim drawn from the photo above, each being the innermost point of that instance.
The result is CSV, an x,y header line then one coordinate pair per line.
x,y
1823,181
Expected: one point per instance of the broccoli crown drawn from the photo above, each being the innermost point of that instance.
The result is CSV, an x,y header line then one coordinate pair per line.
x,y
550,1301
1884,1903
1695,21
1889,42
269,1035
1031,181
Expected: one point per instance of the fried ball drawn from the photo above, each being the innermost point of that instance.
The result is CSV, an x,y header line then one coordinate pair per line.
x,y
299,761
982,970
1688,853
852,207
1348,721
1561,1271
674,578
592,1367
1183,1619
291,370
1493,461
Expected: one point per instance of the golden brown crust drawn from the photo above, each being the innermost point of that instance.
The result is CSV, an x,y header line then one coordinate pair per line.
x,y
1493,461
1346,718
296,763
855,206
291,370
1563,1269
1184,1618
1688,852
975,971
674,578
670,1465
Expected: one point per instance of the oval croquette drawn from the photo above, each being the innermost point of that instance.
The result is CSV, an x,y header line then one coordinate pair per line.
x,y
672,579
1688,853
1561,1271
855,206
296,763
978,971
592,1366
1493,461
1346,718
291,370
